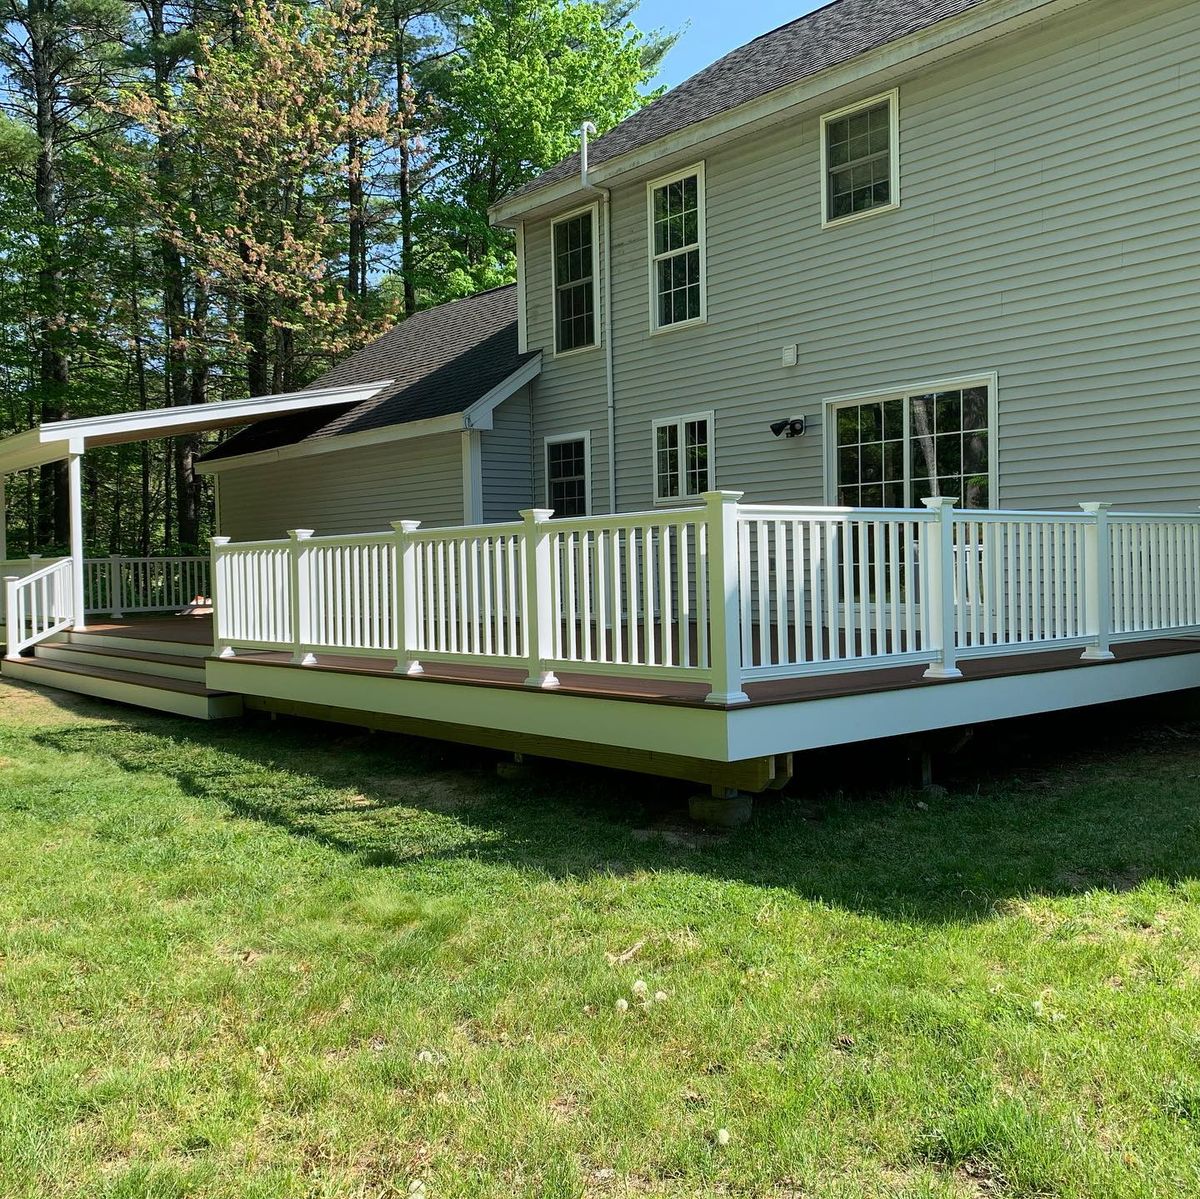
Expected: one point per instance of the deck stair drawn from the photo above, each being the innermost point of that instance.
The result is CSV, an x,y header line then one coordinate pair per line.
x,y
148,670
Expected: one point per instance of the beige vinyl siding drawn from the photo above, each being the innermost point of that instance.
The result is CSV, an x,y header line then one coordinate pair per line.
x,y
1049,231
346,491
570,395
507,460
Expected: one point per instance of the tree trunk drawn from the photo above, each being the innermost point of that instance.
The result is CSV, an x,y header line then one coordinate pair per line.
x,y
403,91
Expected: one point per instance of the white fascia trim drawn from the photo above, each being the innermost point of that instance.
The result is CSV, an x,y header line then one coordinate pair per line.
x,y
951,36
479,415
161,421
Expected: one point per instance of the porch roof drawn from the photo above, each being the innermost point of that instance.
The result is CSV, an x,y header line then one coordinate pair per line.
x,y
57,440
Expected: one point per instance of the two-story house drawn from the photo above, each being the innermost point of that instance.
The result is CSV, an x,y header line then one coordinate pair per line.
x,y
840,395
957,239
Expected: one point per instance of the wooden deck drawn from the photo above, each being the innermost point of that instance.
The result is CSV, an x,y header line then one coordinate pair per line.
x,y
196,629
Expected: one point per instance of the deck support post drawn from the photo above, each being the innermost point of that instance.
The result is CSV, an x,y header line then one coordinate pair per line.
x,y
299,598
724,598
540,617
404,598
114,587
216,545
1097,583
937,550
75,489
722,807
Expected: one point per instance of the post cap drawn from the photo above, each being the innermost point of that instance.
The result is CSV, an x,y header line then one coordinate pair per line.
x,y
935,502
537,515
300,534
1096,506
406,526
220,540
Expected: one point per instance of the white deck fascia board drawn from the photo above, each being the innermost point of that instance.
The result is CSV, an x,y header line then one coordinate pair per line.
x,y
846,719
685,731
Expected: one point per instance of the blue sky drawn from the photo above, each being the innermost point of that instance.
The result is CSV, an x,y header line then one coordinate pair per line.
x,y
713,27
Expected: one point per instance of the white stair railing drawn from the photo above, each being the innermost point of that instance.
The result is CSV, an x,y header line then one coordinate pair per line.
x,y
37,606
723,594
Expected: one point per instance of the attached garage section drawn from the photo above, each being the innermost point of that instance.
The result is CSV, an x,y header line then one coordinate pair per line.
x,y
359,490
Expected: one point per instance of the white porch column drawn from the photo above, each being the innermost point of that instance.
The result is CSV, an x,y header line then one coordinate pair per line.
x,y
75,478
3,521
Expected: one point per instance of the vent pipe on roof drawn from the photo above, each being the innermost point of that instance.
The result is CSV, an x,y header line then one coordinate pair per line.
x,y
585,130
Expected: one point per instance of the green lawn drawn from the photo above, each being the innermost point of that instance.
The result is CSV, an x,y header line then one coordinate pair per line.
x,y
292,960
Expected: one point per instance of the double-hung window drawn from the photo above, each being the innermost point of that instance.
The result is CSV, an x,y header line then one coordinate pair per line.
x,y
678,294
860,159
568,474
683,456
893,451
574,249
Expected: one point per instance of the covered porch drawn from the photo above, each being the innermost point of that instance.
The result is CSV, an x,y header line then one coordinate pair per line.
x,y
41,596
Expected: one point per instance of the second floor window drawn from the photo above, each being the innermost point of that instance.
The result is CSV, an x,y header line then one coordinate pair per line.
x,y
677,283
683,456
859,153
575,282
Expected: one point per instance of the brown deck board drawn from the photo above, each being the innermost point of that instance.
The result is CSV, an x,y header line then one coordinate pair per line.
x,y
196,629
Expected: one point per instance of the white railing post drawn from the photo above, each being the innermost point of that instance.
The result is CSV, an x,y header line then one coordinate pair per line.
x,y
299,599
724,598
540,617
13,618
405,598
115,598
937,552
1097,583
220,648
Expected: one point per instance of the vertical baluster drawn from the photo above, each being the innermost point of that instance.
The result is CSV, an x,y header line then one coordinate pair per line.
x,y
703,568
765,651
683,568
799,582
751,574
650,650
779,554
666,619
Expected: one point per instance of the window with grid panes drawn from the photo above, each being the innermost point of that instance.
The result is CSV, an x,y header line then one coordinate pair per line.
x,y
682,457
894,452
567,477
574,283
677,259
859,161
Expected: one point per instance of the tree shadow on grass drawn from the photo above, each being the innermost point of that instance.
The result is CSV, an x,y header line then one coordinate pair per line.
x,y
1053,805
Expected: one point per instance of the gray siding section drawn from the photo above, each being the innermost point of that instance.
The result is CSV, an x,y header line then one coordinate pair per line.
x,y
1050,232
346,491
507,460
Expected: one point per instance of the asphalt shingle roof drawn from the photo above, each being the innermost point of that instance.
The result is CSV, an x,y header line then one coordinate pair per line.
x,y
441,361
825,38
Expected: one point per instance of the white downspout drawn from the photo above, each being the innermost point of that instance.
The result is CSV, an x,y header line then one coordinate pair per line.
x,y
588,129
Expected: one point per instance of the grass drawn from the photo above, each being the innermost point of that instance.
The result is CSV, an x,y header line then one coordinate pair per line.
x,y
289,960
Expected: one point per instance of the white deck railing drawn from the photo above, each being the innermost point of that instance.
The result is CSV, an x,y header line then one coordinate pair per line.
x,y
37,605
118,585
723,594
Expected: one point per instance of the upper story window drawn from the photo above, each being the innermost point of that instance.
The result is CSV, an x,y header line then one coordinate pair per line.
x,y
677,268
568,474
892,451
574,240
860,159
683,454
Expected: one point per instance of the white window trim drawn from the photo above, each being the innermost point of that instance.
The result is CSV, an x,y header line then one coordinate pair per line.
x,y
682,500
893,98
594,209
988,379
702,219
584,435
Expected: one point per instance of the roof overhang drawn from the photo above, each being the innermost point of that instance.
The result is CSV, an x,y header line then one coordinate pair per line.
x,y
60,439
478,416
828,88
